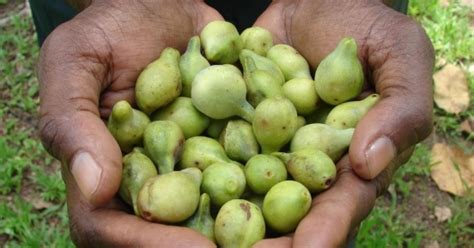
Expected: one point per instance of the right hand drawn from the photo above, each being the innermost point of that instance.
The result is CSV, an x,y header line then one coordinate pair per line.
x,y
86,65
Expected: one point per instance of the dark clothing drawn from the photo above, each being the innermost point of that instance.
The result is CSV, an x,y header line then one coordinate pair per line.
x,y
48,14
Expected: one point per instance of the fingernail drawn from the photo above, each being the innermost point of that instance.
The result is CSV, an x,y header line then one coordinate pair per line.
x,y
379,155
86,172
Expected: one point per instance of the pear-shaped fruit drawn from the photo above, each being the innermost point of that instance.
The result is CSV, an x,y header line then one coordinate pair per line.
x,y
189,119
264,64
137,169
221,42
169,198
201,152
339,76
321,113
127,125
348,114
260,83
160,82
291,62
274,124
239,141
191,63
285,205
215,128
334,142
223,182
202,220
263,171
311,167
302,93
257,39
219,93
239,224
163,143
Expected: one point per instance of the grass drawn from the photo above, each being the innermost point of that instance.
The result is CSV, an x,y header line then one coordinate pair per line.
x,y
32,199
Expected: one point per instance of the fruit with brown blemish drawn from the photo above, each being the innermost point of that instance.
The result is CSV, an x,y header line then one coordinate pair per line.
x,y
163,142
264,171
127,125
340,77
170,198
285,205
311,167
240,224
274,124
160,82
201,152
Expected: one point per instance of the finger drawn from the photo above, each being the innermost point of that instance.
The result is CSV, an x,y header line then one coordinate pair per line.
x,y
70,126
111,226
403,77
336,212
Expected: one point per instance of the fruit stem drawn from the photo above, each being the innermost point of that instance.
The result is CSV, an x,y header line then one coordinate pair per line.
x,y
194,45
285,157
246,111
122,111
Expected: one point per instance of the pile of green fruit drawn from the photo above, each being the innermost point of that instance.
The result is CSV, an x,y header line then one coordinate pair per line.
x,y
236,153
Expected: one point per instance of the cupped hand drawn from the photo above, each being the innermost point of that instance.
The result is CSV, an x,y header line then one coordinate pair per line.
x,y
398,61
86,65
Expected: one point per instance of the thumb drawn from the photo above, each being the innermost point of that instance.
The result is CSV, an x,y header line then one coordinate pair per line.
x,y
70,126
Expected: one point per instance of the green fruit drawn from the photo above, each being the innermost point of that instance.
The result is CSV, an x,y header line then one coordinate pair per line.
x,y
339,76
182,112
334,142
169,198
163,143
215,128
302,93
347,115
264,64
239,224
202,220
260,83
300,122
221,42
127,125
255,199
219,93
191,63
321,113
239,141
263,171
274,124
201,152
291,62
285,205
137,169
223,182
160,82
311,167
257,39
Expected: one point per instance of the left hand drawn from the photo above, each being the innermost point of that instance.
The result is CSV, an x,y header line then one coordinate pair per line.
x,y
398,59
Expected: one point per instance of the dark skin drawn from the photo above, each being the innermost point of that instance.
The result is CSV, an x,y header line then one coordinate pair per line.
x,y
92,61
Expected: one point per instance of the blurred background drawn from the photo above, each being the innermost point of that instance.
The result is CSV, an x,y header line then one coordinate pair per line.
x,y
430,202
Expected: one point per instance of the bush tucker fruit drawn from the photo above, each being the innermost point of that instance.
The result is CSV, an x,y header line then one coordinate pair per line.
x,y
239,141
302,93
257,39
290,61
348,114
201,152
339,76
191,63
223,182
239,223
221,42
127,125
263,171
202,220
